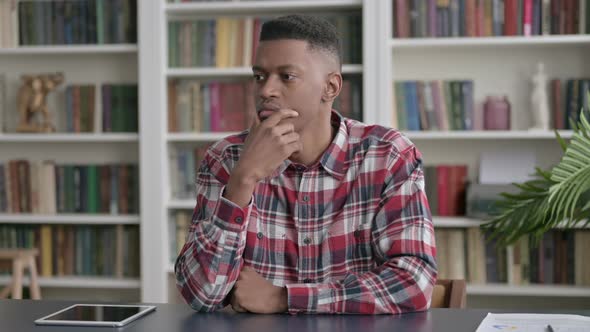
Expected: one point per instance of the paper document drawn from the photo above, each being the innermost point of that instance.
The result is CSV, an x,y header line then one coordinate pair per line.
x,y
534,323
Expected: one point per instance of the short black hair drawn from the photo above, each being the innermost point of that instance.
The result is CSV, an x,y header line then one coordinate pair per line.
x,y
318,32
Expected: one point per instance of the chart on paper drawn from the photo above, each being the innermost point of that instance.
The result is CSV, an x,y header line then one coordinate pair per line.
x,y
534,323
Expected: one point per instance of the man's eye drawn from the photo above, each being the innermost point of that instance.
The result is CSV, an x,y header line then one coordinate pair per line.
x,y
287,77
258,77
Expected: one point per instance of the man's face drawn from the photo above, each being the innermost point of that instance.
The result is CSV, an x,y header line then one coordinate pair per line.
x,y
288,74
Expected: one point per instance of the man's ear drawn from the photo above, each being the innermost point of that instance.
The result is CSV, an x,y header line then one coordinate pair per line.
x,y
333,87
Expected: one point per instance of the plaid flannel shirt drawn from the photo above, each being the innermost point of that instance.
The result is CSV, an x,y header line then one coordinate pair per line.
x,y
352,233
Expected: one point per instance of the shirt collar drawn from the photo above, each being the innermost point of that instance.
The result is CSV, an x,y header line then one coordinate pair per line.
x,y
334,158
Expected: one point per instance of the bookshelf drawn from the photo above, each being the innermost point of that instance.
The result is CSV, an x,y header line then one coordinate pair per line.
x,y
69,219
70,138
70,49
498,65
98,283
159,205
81,63
385,59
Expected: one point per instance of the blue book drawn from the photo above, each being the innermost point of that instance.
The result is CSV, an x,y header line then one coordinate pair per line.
x,y
411,90
467,87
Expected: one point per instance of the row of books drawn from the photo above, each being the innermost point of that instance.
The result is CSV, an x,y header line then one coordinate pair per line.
x,y
80,250
184,164
484,18
559,258
231,42
119,108
446,187
434,105
180,222
65,22
569,98
46,188
199,106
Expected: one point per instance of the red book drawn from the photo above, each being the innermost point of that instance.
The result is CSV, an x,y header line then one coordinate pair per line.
x,y
470,16
402,21
527,17
458,187
255,37
481,18
557,104
442,186
510,17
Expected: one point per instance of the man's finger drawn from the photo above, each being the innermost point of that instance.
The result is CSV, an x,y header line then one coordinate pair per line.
x,y
279,115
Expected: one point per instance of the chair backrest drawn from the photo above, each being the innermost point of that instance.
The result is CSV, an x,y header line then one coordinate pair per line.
x,y
449,294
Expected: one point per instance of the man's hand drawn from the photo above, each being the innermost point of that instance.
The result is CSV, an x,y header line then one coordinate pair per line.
x,y
269,143
253,293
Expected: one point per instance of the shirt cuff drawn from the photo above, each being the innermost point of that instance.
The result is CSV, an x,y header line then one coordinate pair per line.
x,y
302,298
229,216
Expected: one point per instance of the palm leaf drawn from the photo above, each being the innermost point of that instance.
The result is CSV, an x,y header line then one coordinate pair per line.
x,y
558,196
572,175
521,213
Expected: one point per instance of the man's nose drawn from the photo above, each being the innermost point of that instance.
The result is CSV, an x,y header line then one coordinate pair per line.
x,y
268,88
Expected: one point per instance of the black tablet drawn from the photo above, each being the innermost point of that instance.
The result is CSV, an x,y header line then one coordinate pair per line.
x,y
96,315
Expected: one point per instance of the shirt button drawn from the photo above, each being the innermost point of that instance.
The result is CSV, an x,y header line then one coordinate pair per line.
x,y
238,220
308,281
306,198
300,168
307,240
259,235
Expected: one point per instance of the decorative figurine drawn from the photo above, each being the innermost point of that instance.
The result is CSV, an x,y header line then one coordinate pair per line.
x,y
540,100
32,102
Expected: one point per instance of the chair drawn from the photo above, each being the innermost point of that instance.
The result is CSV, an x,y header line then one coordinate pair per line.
x,y
19,260
449,294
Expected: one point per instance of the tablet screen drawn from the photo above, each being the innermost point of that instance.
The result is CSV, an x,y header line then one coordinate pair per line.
x,y
97,313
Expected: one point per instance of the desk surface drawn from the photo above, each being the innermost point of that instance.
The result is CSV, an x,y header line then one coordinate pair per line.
x,y
18,315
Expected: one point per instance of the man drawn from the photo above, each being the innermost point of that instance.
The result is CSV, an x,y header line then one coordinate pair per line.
x,y
308,211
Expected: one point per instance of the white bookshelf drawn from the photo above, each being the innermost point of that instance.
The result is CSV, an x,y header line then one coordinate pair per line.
x,y
490,42
70,49
414,135
498,66
70,138
99,283
80,64
212,72
384,59
175,10
181,204
69,219
532,290
153,59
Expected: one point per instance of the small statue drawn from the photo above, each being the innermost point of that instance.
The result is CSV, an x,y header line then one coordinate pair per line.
x,y
32,101
539,99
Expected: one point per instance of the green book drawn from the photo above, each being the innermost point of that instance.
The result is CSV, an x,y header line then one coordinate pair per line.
x,y
100,22
400,105
69,188
132,112
92,186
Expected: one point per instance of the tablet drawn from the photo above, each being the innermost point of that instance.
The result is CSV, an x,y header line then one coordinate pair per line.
x,y
96,315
